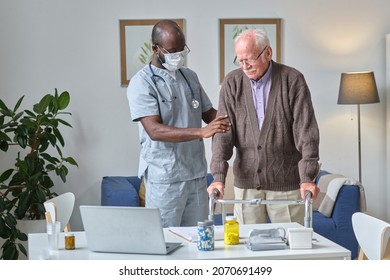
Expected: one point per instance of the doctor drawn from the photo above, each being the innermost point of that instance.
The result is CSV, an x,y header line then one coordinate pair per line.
x,y
169,104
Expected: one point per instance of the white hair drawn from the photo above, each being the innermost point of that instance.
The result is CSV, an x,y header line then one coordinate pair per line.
x,y
259,35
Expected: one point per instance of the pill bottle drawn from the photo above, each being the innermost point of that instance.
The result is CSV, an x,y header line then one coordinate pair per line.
x,y
69,241
205,236
231,234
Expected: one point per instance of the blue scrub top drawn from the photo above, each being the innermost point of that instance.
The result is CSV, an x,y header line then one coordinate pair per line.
x,y
170,97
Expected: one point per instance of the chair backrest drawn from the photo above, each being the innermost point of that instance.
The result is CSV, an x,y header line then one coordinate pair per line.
x,y
372,235
61,209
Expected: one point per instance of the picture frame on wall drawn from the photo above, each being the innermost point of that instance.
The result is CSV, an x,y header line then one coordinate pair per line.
x,y
136,45
230,28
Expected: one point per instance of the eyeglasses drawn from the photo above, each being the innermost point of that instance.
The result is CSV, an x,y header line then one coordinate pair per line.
x,y
184,52
248,61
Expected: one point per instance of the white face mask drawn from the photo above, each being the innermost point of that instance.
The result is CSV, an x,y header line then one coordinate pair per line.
x,y
174,61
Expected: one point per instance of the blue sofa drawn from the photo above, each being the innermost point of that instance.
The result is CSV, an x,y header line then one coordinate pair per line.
x,y
124,191
120,191
338,227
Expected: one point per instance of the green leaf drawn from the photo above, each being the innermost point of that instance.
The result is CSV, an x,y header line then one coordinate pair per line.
x,y
52,138
22,237
50,167
24,204
53,106
57,133
40,206
47,182
43,104
30,123
21,247
18,115
46,120
59,150
10,220
22,141
4,137
2,208
6,174
31,114
62,172
53,122
41,195
6,112
4,145
3,106
22,130
71,161
22,166
2,223
30,162
43,147
10,253
64,122
49,158
18,103
63,100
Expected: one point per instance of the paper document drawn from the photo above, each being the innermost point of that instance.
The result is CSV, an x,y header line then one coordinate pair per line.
x,y
191,233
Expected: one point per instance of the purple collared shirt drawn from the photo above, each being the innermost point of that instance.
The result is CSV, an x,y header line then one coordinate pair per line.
x,y
260,90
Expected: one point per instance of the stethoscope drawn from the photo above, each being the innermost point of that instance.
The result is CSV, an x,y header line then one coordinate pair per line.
x,y
194,102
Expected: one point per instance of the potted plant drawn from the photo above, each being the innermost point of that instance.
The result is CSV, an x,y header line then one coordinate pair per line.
x,y
34,138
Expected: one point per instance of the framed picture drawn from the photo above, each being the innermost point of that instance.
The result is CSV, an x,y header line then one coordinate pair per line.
x,y
229,30
136,45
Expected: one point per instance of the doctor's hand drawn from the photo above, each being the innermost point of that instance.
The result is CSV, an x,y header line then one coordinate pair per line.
x,y
219,186
218,125
311,187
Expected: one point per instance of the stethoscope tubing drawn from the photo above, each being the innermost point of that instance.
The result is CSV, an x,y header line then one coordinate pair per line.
x,y
154,75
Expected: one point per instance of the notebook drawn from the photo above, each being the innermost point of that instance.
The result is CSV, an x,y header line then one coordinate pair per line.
x,y
119,229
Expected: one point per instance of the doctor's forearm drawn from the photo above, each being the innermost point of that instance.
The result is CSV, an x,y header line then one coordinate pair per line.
x,y
173,134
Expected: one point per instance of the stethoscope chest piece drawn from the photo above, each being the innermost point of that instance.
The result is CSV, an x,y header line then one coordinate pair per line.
x,y
195,103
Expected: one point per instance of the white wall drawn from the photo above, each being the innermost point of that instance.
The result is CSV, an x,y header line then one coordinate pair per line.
x,y
388,118
74,46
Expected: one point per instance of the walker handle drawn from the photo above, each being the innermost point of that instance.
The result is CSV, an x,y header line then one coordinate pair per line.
x,y
212,201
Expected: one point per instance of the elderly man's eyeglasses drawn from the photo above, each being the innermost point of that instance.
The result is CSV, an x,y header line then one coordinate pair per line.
x,y
184,52
248,61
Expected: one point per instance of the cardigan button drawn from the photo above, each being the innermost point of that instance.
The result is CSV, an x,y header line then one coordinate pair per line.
x,y
259,147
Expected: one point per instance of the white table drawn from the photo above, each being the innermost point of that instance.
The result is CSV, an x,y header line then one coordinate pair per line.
x,y
322,249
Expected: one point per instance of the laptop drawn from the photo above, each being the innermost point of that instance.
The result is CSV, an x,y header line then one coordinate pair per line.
x,y
116,229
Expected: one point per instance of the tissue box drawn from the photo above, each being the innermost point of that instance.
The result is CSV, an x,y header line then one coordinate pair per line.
x,y
300,238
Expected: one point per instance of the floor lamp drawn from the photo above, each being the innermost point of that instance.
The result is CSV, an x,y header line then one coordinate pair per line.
x,y
358,88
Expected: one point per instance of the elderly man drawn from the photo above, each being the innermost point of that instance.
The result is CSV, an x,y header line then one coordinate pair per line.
x,y
274,132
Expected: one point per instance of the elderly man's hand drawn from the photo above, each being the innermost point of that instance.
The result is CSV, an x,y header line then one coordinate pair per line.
x,y
217,186
311,187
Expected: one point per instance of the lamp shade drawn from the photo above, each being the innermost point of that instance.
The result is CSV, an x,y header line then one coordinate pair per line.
x,y
358,88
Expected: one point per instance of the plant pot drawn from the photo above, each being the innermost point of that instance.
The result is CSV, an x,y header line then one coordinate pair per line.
x,y
30,226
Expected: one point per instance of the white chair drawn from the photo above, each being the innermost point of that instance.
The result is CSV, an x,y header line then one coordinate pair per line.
x,y
61,209
372,235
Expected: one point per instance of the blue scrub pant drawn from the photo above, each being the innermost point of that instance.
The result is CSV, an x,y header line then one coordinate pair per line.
x,y
181,203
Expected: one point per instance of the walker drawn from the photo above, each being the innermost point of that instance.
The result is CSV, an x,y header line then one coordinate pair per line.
x,y
307,201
